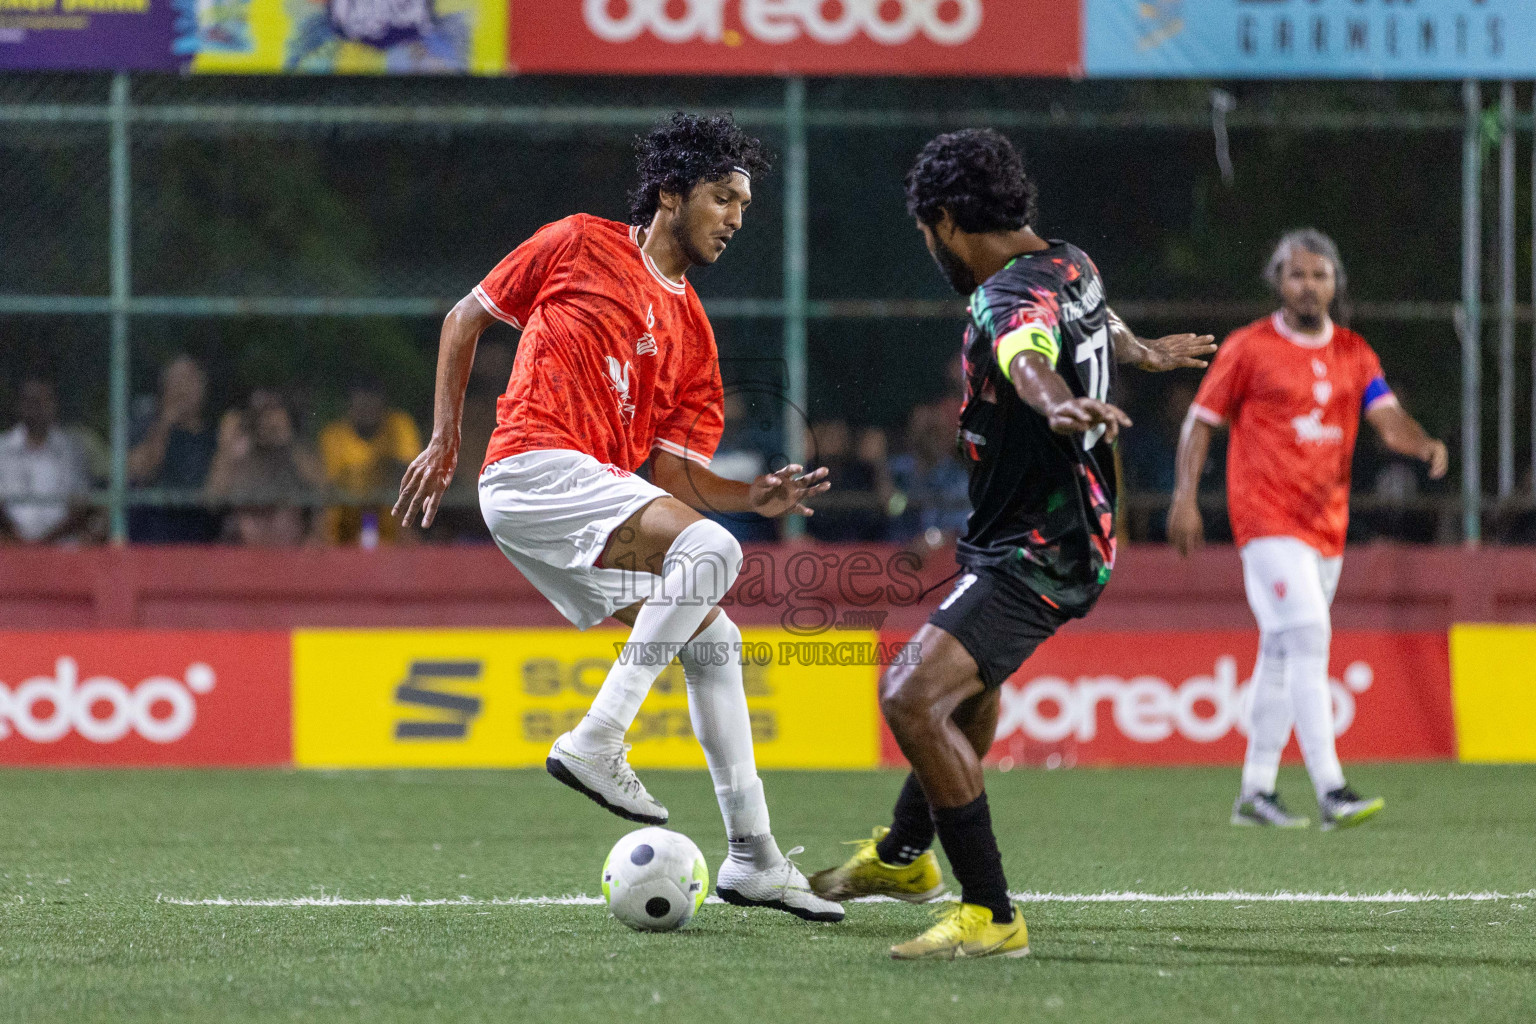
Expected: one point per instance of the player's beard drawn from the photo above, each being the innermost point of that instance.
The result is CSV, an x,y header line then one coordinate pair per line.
x,y
953,267
693,253
1309,322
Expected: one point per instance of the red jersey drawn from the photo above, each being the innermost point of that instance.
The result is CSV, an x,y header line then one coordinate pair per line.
x,y
1294,403
615,358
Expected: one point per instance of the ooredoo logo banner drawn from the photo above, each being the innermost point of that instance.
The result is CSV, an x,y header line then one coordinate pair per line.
x,y
145,697
1183,698
746,37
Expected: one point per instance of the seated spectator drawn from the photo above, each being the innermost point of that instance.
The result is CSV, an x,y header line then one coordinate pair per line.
x,y
853,510
263,471
740,457
365,455
172,448
873,449
459,520
43,474
1147,458
931,501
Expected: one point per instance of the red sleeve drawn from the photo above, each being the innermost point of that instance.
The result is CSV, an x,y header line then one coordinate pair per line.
x,y
1374,388
521,280
1221,389
693,429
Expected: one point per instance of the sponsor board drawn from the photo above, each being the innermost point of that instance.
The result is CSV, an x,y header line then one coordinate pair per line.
x,y
396,37
144,697
1494,691
1422,39
817,37
1182,698
87,35
499,698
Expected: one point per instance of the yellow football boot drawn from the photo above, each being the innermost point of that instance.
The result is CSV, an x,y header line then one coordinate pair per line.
x,y
865,874
966,930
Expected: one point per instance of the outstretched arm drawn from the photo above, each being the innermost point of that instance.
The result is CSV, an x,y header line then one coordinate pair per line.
x,y
1185,527
1403,435
1171,352
1042,389
428,476
772,494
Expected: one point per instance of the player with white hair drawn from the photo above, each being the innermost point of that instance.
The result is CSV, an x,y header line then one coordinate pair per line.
x,y
1292,387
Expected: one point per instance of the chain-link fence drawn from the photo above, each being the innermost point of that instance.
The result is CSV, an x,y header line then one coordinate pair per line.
x,y
300,239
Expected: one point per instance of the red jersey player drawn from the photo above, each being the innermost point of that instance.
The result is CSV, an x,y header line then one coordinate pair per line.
x,y
617,365
1292,388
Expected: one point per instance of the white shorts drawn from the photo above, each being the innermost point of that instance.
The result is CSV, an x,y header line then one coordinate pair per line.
x,y
1289,582
551,513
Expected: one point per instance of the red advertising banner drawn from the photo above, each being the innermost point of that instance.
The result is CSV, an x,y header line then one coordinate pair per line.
x,y
145,697
1104,698
813,37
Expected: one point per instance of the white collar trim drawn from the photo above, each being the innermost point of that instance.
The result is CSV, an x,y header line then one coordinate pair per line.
x,y
675,287
1318,340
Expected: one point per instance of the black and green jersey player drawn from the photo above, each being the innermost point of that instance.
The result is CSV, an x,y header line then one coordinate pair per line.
x,y
1036,429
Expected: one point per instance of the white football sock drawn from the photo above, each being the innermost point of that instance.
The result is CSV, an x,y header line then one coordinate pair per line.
x,y
699,568
717,704
1306,676
1269,719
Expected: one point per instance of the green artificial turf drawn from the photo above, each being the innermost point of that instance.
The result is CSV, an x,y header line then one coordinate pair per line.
x,y
85,858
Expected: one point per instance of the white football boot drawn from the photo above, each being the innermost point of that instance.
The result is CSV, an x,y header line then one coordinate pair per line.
x,y
607,779
782,887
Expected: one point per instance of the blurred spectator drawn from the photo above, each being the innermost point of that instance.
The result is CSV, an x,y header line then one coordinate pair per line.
x,y
460,519
740,458
365,455
264,472
172,448
1147,453
931,498
872,449
1398,485
948,405
853,510
43,473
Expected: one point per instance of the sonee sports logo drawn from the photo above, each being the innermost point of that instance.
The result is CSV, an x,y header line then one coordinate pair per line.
x,y
44,709
428,686
829,22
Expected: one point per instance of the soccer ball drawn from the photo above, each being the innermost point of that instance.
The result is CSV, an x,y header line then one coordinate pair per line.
x,y
654,880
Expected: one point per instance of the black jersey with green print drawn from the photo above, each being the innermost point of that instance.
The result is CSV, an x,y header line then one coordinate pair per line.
x,y
1042,503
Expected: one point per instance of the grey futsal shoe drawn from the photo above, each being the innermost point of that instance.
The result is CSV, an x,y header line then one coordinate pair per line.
x,y
1264,809
1344,808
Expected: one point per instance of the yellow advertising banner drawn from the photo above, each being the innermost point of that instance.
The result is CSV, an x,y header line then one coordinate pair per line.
x,y
1493,689
498,699
345,37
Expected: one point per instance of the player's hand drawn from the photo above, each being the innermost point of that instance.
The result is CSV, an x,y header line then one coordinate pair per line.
x,y
1439,460
425,480
1080,415
1176,352
774,494
1186,530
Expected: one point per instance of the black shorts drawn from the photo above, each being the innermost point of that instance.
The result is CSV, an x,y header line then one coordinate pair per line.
x,y
997,619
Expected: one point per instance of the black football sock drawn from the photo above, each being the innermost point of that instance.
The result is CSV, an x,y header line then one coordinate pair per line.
x,y
966,833
911,826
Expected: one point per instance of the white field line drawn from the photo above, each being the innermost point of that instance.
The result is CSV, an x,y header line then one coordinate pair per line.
x,y
582,900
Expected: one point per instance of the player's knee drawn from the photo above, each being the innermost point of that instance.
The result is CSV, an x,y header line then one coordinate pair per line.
x,y
903,699
712,558
1305,641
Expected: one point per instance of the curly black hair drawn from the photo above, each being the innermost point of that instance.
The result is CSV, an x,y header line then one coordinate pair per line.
x,y
977,176
685,149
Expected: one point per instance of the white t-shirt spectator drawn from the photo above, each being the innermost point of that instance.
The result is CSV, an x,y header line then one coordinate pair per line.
x,y
55,470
